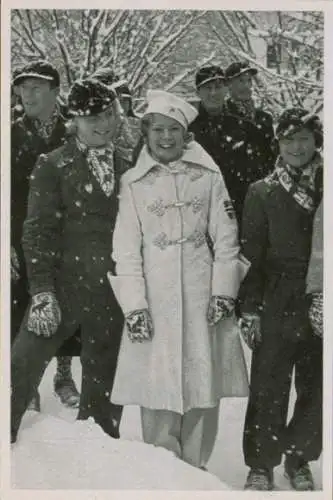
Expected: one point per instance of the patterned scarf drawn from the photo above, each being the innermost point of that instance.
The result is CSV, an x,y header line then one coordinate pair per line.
x,y
245,108
45,128
101,164
300,183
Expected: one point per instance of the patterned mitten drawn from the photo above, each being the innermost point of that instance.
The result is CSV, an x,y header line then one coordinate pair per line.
x,y
45,315
139,326
219,308
316,314
14,265
250,329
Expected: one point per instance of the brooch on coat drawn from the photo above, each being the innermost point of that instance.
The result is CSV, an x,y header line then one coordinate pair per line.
x,y
158,207
162,241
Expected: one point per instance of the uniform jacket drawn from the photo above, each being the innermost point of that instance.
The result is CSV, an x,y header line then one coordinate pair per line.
x,y
163,263
26,146
67,235
241,148
315,270
276,239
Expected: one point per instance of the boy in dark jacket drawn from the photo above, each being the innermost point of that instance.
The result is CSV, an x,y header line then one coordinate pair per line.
x,y
276,239
67,242
39,129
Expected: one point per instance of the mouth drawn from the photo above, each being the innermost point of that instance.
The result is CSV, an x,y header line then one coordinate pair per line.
x,y
102,134
166,146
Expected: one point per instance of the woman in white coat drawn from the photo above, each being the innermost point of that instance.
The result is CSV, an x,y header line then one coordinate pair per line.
x,y
178,270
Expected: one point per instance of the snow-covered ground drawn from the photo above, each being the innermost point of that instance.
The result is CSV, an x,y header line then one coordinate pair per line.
x,y
56,452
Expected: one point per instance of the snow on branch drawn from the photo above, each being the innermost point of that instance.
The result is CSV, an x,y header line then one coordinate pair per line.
x,y
163,51
234,30
177,35
39,48
110,30
179,78
141,64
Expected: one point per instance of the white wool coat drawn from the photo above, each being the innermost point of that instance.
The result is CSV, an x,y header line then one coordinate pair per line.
x,y
164,264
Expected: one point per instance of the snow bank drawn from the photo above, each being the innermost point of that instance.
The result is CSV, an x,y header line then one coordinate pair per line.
x,y
53,453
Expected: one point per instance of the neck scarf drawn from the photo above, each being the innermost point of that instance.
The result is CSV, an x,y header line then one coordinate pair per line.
x,y
45,128
300,183
101,164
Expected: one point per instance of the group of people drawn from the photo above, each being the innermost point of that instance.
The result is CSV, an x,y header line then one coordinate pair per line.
x,y
149,244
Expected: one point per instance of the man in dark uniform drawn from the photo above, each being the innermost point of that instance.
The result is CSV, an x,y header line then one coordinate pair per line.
x,y
39,130
239,144
67,241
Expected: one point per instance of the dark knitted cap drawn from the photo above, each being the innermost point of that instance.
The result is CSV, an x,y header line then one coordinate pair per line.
x,y
106,76
89,97
39,69
238,68
207,74
294,119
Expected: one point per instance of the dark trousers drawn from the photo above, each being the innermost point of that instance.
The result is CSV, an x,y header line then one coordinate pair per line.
x,y
266,434
101,322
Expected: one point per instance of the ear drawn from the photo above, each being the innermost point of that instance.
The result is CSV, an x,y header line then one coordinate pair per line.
x,y
319,140
188,137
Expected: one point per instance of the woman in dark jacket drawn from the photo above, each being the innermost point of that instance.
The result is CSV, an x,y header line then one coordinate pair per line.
x,y
276,239
67,241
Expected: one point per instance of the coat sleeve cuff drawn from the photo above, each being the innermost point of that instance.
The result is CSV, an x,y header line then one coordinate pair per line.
x,y
227,278
129,291
41,286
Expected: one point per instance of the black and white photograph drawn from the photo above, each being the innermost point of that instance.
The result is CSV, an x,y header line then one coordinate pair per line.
x,y
165,220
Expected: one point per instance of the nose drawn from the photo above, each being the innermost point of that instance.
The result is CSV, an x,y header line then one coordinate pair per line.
x,y
213,90
166,134
27,94
104,123
297,147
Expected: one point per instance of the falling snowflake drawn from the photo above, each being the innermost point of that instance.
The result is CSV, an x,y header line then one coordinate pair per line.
x,y
238,145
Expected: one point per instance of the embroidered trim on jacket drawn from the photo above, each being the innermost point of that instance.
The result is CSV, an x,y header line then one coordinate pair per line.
x,y
158,207
198,238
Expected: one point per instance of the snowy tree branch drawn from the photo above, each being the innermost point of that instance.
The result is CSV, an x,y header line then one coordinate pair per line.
x,y
33,42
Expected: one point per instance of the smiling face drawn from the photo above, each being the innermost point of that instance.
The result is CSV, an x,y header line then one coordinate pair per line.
x,y
165,138
212,95
240,87
97,130
38,97
298,149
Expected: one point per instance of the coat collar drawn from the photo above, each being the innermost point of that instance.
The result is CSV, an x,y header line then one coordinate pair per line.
x,y
194,154
69,153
